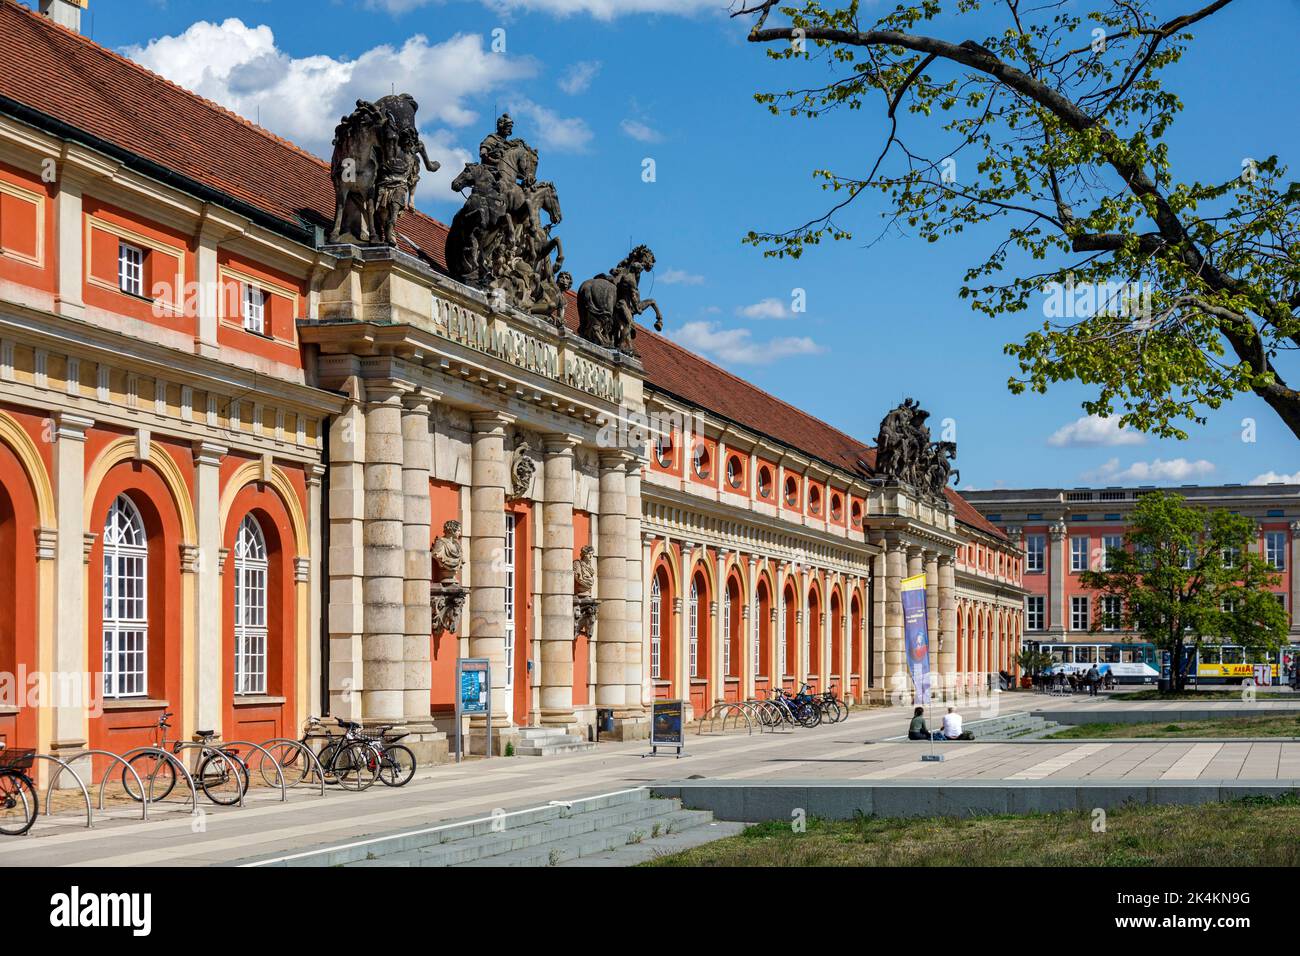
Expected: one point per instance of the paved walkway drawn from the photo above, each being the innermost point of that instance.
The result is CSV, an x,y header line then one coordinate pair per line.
x,y
845,751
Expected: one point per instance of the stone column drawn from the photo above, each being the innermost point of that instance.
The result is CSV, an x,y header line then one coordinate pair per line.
x,y
932,616
556,653
426,740
346,514
1056,558
803,619
611,571
487,625
948,621
647,685
752,631
208,653
682,635
315,516
634,723
718,615
70,732
384,619
895,651
877,615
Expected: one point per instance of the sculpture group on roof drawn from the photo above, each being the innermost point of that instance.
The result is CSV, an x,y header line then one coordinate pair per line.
x,y
904,451
498,240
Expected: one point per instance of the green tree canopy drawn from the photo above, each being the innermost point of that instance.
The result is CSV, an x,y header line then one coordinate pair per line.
x,y
1187,575
1179,294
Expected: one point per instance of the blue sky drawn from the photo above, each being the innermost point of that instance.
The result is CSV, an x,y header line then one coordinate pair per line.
x,y
601,86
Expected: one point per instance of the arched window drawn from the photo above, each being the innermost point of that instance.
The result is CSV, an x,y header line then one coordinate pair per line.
x,y
726,633
656,618
126,614
250,608
694,648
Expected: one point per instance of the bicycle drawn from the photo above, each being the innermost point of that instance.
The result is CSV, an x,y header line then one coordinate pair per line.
x,y
222,773
18,799
349,760
396,763
833,709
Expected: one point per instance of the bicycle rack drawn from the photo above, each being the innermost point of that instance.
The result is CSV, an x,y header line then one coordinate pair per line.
x,y
284,791
170,758
115,759
771,716
208,748
80,783
724,712
311,755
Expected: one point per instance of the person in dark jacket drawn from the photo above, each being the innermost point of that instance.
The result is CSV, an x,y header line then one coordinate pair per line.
x,y
917,729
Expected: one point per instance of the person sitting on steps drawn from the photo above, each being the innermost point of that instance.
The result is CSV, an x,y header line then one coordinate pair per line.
x,y
952,727
917,729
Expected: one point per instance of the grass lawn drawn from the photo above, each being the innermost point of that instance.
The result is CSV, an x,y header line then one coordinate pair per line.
x,y
1207,695
1251,832
1265,725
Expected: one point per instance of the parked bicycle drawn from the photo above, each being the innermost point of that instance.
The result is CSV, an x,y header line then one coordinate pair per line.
x,y
396,762
833,709
18,800
348,760
222,774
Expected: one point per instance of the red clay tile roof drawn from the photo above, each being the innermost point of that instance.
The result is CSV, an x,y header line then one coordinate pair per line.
x,y
140,114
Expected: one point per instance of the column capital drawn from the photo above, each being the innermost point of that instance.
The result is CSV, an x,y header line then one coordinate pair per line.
x,y
315,472
72,427
915,551
381,392
209,452
947,560
559,443
490,421
417,402
616,460
1058,530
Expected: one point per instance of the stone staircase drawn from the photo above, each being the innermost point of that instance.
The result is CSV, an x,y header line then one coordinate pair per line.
x,y
1013,727
1017,726
619,829
548,741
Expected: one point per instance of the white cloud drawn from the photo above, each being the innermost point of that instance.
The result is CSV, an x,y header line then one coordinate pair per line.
x,y
1094,430
604,9
1271,477
737,347
1157,471
302,98
640,131
397,7
577,78
680,277
552,131
766,309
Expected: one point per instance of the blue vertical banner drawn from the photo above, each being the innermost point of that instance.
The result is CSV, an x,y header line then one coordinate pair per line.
x,y
916,635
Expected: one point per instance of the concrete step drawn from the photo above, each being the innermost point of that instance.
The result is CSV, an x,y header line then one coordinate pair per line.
x,y
566,745
675,842
534,835
574,849
384,847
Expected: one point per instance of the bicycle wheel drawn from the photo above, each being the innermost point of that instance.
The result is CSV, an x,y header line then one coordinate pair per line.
x,y
157,776
810,716
294,765
841,711
18,803
397,766
355,766
220,783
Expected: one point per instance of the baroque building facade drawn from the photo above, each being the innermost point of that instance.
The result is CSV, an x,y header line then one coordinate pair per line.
x,y
250,473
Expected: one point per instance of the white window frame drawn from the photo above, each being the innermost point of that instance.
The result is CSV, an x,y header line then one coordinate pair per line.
x,y
1275,549
1035,607
694,630
781,636
726,633
1110,542
1078,556
1109,601
656,624
1074,612
251,596
254,309
756,624
1035,553
508,596
126,601
130,268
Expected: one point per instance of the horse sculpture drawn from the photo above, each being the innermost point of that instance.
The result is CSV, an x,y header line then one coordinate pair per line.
x,y
354,168
609,303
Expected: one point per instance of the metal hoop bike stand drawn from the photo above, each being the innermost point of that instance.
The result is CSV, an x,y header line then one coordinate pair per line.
x,y
76,776
284,791
204,748
311,755
115,759
723,712
170,758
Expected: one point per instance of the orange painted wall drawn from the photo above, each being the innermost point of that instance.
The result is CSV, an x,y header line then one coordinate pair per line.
x,y
18,597
18,233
